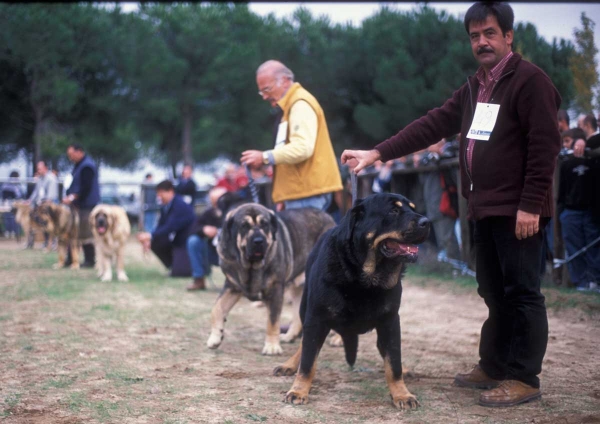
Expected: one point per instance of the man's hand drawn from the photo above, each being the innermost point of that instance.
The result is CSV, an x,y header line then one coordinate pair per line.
x,y
252,158
145,238
357,160
578,147
528,224
210,231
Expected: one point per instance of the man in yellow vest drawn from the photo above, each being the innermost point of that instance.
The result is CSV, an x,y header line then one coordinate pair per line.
x,y
305,167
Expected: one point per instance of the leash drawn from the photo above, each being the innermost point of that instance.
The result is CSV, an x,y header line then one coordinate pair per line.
x,y
558,262
354,186
252,185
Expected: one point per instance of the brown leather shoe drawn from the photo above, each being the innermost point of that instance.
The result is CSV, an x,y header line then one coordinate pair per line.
x,y
476,379
198,284
509,393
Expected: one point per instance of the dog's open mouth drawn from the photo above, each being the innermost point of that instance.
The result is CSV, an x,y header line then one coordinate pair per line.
x,y
101,229
391,248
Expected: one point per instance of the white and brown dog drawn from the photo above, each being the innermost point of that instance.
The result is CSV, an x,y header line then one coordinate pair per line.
x,y
111,228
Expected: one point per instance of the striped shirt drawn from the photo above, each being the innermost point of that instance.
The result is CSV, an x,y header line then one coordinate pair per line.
x,y
485,93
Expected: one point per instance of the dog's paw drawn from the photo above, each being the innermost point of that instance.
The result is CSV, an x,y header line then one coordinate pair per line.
x,y
74,266
296,398
121,276
214,340
405,402
287,337
57,266
106,277
272,349
336,341
282,370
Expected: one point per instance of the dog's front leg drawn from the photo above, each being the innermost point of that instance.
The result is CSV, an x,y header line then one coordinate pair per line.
x,y
227,299
388,343
274,303
63,245
313,338
74,243
105,259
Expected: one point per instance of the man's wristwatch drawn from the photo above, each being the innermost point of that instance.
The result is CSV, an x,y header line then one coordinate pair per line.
x,y
265,158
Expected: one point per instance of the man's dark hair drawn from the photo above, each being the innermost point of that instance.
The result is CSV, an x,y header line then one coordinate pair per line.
x,y
148,175
590,119
165,185
75,146
563,116
500,10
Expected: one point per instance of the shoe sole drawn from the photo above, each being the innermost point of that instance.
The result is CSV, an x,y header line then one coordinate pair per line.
x,y
507,404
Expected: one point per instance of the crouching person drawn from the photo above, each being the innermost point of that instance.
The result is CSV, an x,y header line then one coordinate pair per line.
x,y
200,246
168,240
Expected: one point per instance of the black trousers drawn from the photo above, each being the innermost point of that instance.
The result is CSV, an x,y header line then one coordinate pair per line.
x,y
175,258
515,335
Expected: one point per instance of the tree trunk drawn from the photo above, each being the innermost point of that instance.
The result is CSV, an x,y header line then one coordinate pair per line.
x,y
186,142
37,126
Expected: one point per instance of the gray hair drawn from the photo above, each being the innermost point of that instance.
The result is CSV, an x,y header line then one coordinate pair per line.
x,y
278,69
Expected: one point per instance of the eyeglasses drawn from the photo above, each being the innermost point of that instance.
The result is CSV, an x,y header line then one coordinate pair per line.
x,y
265,90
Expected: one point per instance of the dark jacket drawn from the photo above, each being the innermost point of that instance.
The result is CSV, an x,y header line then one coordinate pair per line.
x,y
594,143
85,184
210,216
186,188
514,168
575,185
178,219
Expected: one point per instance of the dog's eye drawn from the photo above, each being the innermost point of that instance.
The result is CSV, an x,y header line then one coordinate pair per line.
x,y
395,211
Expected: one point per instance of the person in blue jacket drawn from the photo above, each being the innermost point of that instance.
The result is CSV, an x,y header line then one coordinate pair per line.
x,y
168,239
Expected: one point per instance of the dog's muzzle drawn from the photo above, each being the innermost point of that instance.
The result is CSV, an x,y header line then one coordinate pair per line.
x,y
256,248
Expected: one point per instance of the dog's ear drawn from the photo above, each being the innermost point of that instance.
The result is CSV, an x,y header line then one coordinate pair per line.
x,y
351,218
225,236
274,224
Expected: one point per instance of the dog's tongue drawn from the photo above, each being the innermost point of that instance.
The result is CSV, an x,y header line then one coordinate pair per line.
x,y
401,249
101,230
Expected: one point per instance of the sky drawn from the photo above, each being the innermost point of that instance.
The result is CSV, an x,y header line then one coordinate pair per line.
x,y
551,19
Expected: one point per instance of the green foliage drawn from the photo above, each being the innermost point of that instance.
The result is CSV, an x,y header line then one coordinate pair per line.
x,y
176,81
584,66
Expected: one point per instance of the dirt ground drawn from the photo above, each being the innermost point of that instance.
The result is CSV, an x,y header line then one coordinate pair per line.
x,y
75,350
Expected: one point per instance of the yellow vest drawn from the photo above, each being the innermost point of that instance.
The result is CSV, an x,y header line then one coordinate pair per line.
x,y
318,174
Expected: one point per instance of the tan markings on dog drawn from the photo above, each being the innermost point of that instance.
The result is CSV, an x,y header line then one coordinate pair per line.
x,y
241,242
272,346
370,235
298,394
289,367
399,204
412,205
370,263
248,219
401,397
217,317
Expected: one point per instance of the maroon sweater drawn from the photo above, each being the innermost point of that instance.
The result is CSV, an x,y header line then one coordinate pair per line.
x,y
514,168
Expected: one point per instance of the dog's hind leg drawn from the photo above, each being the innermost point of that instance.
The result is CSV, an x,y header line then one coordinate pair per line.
x,y
350,347
74,252
312,341
290,366
227,299
296,325
121,275
388,343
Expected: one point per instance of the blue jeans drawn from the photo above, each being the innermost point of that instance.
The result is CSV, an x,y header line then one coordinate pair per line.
x,y
579,230
150,220
202,256
320,202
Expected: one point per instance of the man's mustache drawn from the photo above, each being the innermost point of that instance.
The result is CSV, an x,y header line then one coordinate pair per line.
x,y
484,50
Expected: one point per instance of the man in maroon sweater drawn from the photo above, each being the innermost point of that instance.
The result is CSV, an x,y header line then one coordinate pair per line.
x,y
507,115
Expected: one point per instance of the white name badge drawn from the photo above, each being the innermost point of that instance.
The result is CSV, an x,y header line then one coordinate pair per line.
x,y
483,121
281,135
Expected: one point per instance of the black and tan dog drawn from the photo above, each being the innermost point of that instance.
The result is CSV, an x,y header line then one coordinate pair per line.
x,y
261,253
353,286
62,222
